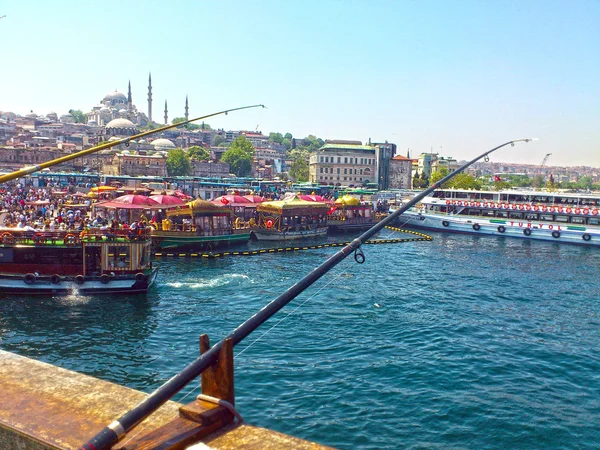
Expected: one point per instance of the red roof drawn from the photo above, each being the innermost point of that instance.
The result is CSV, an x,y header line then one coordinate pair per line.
x,y
401,158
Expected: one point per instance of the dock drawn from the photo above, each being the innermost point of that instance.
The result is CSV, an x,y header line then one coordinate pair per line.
x,y
47,407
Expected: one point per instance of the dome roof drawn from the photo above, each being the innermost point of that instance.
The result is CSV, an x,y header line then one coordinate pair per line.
x,y
162,144
120,123
114,96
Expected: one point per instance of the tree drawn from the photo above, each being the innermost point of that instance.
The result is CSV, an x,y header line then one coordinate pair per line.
x,y
276,137
464,181
438,175
178,163
187,126
419,182
218,140
287,143
299,167
501,185
538,181
198,153
288,136
78,115
239,156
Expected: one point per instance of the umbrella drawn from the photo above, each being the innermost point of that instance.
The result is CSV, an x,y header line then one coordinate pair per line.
x,y
228,199
103,188
135,200
167,199
254,198
78,194
182,195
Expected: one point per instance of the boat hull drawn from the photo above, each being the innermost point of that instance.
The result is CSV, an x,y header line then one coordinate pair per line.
x,y
194,242
274,235
13,284
538,231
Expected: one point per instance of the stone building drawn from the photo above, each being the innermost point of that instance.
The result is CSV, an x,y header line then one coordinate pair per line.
x,y
400,176
344,165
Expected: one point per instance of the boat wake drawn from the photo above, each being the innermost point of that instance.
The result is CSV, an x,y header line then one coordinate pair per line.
x,y
212,283
74,298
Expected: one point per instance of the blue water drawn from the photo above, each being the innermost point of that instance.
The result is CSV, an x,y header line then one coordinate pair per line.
x,y
463,342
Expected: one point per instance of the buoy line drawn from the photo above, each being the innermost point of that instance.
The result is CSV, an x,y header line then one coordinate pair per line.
x,y
211,255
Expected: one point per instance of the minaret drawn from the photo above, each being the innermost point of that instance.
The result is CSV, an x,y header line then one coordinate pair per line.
x,y
150,97
129,101
166,114
187,110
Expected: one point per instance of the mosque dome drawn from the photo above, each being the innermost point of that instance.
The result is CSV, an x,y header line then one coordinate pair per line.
x,y
120,123
162,144
112,139
123,111
115,96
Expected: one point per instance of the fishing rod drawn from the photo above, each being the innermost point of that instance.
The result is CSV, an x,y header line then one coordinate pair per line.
x,y
117,429
31,169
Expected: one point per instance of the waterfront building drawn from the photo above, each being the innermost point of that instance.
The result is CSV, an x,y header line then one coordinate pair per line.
x,y
344,164
209,169
448,162
400,174
425,162
127,163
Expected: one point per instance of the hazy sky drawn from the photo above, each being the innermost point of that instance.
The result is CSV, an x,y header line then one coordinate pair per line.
x,y
458,77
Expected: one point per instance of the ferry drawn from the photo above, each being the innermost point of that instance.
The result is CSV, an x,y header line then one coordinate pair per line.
x,y
97,261
548,216
290,219
350,214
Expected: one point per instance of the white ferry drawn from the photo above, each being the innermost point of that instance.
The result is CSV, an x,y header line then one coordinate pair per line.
x,y
549,216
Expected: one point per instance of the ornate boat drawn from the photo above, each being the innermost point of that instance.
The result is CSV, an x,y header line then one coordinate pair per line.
x,y
548,216
200,225
290,219
350,214
96,261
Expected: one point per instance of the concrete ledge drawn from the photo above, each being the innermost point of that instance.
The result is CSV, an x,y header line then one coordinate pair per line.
x,y
46,407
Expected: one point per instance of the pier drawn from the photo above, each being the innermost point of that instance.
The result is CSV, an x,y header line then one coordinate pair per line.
x,y
46,407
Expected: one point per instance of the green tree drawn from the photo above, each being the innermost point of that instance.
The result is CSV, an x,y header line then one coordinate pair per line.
x,y
287,143
198,153
78,115
239,156
178,163
299,167
585,183
187,126
419,182
438,175
218,140
288,136
464,181
538,181
501,185
276,137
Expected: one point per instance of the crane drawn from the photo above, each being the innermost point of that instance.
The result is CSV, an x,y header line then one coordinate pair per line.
x,y
545,160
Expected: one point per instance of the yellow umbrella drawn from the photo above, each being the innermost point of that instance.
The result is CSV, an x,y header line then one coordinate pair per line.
x,y
103,188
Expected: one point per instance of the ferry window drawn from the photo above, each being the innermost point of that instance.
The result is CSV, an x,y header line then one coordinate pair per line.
x,y
119,258
592,221
577,220
474,212
502,214
546,217
531,216
514,215
564,219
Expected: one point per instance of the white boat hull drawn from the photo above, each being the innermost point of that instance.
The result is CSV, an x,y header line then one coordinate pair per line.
x,y
274,235
563,233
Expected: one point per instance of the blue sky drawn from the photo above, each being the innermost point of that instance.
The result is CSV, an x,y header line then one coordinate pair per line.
x,y
458,77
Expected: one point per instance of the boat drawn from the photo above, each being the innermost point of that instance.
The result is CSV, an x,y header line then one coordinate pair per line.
x,y
290,219
538,215
199,225
95,261
350,214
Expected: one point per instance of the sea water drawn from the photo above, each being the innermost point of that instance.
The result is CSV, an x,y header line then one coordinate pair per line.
x,y
462,342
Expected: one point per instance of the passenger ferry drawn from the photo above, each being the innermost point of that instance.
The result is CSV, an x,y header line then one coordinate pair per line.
x,y
96,261
549,216
350,214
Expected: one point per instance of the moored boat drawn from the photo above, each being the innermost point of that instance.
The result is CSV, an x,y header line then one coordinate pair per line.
x,y
549,216
97,261
350,214
290,219
200,225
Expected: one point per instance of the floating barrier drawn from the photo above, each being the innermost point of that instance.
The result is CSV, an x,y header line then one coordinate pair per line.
x,y
416,237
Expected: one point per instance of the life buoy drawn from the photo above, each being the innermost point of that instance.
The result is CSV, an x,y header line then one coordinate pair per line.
x,y
520,207
39,238
586,237
269,223
477,204
445,223
29,278
536,208
471,203
104,278
485,205
586,211
577,211
528,207
55,279
448,202
552,209
544,208
454,202
527,232
476,226
70,239
556,234
569,210
595,212
514,206
501,229
8,238
140,276
79,279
